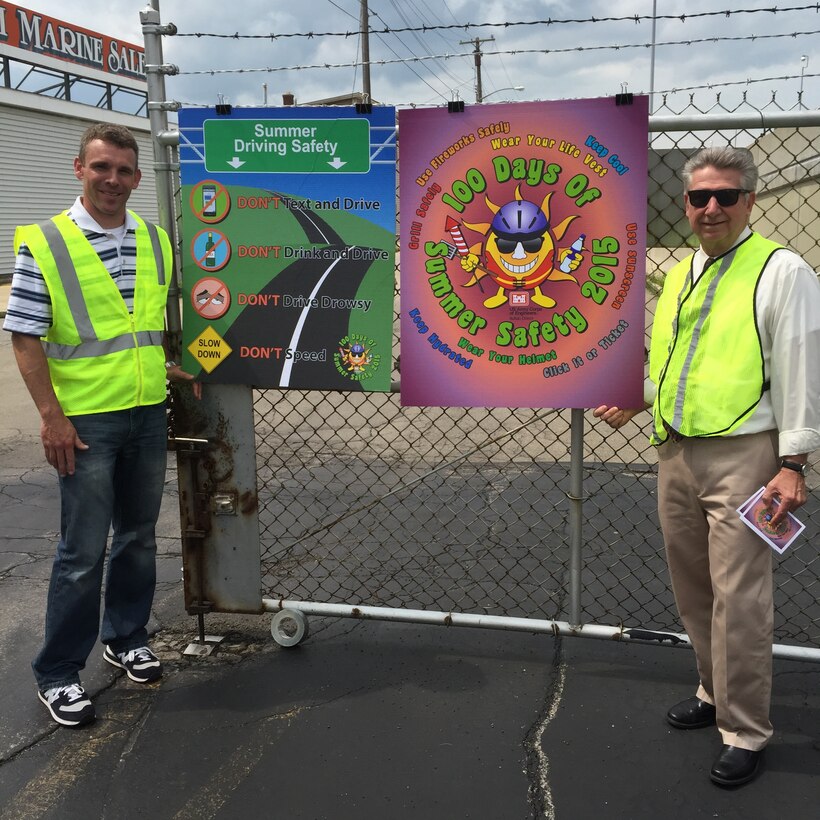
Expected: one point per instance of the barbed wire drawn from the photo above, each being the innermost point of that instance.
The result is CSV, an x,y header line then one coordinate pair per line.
x,y
636,18
747,81
664,92
571,49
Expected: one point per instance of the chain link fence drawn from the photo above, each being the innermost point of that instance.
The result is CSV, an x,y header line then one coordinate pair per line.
x,y
364,502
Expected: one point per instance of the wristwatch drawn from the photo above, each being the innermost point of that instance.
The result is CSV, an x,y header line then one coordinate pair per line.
x,y
169,364
803,469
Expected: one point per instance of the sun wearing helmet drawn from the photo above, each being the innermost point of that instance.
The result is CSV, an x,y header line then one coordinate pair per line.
x,y
519,250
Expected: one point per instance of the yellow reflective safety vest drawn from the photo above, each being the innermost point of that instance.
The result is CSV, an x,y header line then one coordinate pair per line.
x,y
706,356
100,356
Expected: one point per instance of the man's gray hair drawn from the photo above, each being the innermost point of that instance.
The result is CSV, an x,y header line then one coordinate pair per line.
x,y
723,159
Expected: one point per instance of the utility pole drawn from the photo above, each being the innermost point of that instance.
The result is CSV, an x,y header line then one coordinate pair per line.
x,y
364,24
479,96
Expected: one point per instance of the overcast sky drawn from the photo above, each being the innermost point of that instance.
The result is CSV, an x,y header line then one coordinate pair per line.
x,y
575,66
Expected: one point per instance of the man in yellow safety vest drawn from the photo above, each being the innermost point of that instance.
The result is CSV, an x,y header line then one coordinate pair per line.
x,y
86,314
734,386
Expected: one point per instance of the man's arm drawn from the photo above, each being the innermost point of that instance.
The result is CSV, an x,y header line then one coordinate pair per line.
x,y
56,431
792,310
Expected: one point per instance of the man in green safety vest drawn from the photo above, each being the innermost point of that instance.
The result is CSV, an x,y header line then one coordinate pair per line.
x,y
734,387
86,313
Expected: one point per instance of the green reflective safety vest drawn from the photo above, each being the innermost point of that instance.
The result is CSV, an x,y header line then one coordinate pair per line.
x,y
706,356
100,356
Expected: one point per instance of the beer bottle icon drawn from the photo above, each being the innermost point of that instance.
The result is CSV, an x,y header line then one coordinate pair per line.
x,y
210,251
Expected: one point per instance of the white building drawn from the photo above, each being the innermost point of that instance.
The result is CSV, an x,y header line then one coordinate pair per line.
x,y
56,79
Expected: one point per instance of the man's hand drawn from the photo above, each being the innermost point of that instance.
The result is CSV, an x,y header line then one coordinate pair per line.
x,y
60,439
789,487
615,417
57,433
177,374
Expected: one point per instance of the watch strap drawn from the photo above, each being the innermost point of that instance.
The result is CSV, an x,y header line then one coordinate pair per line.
x,y
794,465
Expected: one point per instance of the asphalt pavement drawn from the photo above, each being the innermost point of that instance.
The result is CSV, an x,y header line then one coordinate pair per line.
x,y
362,720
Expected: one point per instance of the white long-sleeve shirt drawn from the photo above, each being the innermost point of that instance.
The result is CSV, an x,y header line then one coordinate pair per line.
x,y
788,318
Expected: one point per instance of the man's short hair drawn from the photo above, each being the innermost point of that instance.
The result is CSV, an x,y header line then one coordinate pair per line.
x,y
723,159
117,135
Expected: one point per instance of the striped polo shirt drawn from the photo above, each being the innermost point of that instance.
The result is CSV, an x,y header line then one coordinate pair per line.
x,y
29,308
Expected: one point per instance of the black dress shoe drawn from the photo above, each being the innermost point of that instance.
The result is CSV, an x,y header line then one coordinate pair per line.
x,y
692,713
735,766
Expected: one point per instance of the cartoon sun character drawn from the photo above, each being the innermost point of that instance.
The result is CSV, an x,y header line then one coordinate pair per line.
x,y
356,357
520,250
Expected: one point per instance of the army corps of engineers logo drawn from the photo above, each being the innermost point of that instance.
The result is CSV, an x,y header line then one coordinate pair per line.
x,y
355,358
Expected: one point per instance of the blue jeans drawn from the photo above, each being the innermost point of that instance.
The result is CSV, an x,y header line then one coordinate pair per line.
x,y
117,482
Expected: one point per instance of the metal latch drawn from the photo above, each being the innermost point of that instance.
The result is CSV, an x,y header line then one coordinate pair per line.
x,y
225,503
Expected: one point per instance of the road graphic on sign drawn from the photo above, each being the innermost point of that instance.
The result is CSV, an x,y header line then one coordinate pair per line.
x,y
298,327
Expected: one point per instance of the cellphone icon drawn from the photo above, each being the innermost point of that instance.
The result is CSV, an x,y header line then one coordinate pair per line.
x,y
208,200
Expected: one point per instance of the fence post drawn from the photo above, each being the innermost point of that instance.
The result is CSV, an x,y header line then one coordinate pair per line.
x,y
576,512
158,117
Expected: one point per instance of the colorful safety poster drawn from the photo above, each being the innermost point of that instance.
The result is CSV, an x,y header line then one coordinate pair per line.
x,y
523,254
288,246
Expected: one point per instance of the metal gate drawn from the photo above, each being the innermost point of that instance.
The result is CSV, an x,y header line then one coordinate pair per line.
x,y
348,504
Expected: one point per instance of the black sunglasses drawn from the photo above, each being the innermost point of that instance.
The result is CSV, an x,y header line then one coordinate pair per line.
x,y
726,197
532,245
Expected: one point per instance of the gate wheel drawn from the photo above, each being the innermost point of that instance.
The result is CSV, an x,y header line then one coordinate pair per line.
x,y
289,627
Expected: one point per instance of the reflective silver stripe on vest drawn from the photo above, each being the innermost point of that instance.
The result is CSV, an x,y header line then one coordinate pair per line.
x,y
157,247
71,282
725,262
85,350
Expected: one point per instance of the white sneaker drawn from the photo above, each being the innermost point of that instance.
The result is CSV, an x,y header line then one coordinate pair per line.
x,y
68,705
141,665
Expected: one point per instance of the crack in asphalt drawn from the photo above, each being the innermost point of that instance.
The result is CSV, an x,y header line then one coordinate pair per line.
x,y
537,768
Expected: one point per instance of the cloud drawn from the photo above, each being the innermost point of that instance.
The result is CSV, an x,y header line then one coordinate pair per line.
x,y
582,60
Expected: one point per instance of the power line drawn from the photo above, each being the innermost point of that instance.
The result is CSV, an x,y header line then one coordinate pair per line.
x,y
406,46
390,48
343,10
414,8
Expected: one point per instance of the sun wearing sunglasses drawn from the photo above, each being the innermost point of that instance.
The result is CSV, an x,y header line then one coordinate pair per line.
x,y
726,197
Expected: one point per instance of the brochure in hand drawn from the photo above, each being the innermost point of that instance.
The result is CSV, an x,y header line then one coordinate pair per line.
x,y
757,516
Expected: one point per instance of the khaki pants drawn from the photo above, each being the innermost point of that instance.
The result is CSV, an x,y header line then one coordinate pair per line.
x,y
721,574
